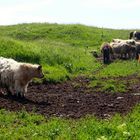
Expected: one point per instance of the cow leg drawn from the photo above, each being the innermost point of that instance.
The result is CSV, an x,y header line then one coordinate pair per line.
x,y
125,55
18,88
104,58
23,91
11,91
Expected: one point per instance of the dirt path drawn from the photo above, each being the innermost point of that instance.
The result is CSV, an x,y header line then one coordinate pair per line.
x,y
71,99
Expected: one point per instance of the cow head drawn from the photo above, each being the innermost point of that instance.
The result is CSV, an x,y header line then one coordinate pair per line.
x,y
40,72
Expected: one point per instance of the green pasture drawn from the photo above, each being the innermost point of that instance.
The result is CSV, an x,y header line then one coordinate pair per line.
x,y
64,53
24,126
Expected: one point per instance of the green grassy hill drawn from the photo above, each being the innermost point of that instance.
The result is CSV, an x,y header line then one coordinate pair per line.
x,y
63,50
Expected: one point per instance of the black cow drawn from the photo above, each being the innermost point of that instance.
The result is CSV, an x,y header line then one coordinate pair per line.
x,y
135,35
106,53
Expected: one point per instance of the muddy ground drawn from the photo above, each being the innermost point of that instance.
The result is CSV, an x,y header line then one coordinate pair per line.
x,y
73,99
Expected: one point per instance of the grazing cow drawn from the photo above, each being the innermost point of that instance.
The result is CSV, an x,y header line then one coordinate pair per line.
x,y
135,35
15,76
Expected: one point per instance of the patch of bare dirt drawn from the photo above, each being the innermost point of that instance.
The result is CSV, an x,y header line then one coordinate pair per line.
x,y
72,99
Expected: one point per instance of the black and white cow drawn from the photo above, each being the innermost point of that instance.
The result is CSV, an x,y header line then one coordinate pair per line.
x,y
135,35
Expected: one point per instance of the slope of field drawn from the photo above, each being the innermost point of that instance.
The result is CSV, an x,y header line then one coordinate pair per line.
x,y
63,50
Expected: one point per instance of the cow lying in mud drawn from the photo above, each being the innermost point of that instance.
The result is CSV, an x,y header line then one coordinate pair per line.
x,y
15,76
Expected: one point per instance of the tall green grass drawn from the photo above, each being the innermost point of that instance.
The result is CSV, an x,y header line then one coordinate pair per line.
x,y
62,49
59,58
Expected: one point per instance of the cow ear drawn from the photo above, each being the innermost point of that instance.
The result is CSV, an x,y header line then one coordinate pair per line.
x,y
39,67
